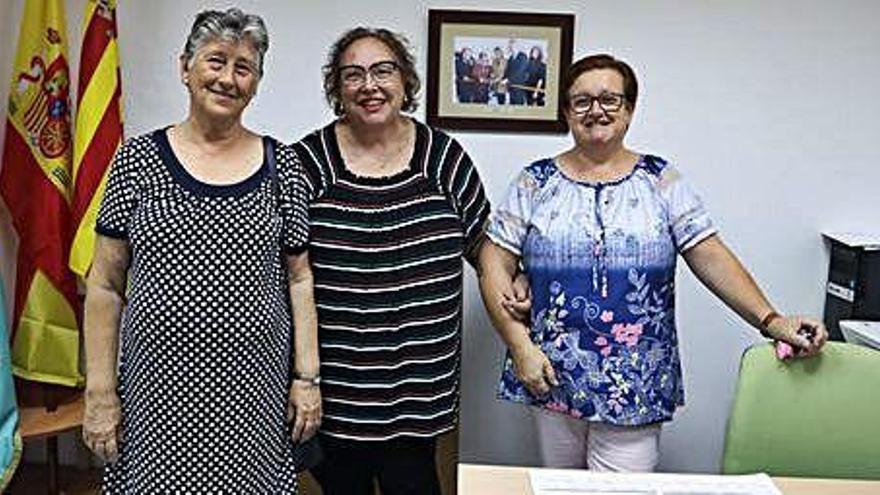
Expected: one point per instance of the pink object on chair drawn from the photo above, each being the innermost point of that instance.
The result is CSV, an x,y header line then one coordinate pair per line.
x,y
784,350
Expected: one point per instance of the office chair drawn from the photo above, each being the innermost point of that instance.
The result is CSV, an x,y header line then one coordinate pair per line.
x,y
814,417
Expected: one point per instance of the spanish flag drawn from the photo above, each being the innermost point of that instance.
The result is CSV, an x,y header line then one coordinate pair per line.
x,y
35,183
98,125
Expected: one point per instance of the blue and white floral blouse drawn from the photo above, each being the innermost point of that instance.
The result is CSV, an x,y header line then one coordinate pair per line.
x,y
600,258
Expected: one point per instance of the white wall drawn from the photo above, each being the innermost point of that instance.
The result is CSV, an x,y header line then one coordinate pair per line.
x,y
770,108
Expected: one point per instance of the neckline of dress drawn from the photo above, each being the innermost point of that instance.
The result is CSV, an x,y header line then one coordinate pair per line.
x,y
338,163
192,183
640,163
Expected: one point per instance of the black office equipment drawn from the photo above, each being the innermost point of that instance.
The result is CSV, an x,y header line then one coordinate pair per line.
x,y
853,288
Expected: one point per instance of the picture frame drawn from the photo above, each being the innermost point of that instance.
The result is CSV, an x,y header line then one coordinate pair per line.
x,y
498,71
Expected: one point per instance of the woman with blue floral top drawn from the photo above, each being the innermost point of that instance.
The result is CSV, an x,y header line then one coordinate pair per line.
x,y
597,230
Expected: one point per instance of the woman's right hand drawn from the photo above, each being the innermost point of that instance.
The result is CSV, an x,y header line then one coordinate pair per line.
x,y
101,424
304,410
534,370
519,302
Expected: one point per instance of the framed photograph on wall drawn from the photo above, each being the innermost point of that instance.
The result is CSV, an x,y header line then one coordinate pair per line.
x,y
497,70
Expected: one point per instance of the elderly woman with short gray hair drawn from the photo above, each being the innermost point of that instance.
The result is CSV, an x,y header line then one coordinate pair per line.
x,y
200,277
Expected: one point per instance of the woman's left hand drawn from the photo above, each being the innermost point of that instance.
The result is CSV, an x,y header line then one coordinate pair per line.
x,y
304,410
805,335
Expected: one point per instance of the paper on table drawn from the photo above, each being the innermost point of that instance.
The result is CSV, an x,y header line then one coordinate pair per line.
x,y
582,482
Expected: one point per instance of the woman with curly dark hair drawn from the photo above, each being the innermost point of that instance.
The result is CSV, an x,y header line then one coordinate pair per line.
x,y
395,207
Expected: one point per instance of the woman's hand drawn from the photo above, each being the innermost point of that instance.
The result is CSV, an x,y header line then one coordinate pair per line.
x,y
805,335
519,303
304,410
101,424
534,370
505,295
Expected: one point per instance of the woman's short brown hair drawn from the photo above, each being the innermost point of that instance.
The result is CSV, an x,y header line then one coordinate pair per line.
x,y
602,61
398,45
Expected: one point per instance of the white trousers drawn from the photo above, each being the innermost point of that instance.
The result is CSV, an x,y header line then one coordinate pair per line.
x,y
566,442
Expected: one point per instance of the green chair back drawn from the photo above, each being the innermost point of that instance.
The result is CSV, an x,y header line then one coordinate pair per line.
x,y
815,417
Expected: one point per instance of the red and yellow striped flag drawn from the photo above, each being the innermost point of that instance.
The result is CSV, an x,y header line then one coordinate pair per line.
x,y
98,125
35,183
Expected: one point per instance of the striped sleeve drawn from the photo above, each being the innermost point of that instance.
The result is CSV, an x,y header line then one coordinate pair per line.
x,y
312,156
460,181
294,200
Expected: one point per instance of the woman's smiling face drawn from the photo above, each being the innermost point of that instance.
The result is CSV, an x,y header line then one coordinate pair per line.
x,y
222,77
371,101
597,125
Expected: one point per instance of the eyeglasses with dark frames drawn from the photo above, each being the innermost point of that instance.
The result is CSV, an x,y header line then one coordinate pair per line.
x,y
609,102
381,72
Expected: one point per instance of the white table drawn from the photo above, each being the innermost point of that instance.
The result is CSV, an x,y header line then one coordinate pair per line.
x,y
477,479
861,332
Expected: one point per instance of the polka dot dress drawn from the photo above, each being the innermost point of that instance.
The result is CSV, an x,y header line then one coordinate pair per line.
x,y
206,331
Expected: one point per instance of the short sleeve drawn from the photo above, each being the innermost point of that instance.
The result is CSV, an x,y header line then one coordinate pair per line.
x,y
510,221
317,174
294,200
121,193
689,221
466,189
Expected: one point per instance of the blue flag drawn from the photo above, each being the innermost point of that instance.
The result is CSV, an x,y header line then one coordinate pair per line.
x,y
10,440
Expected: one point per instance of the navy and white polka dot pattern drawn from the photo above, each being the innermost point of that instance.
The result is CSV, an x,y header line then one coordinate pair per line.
x,y
206,333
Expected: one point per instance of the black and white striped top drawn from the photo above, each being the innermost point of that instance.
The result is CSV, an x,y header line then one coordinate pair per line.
x,y
387,259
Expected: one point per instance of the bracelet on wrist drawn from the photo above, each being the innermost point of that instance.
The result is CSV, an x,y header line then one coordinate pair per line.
x,y
767,320
313,380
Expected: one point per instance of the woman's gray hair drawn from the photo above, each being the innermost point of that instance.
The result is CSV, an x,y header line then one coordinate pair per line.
x,y
231,25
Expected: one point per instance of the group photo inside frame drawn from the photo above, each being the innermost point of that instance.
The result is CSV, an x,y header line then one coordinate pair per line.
x,y
497,70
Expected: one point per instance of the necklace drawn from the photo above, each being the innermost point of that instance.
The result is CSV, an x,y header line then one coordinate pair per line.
x,y
380,161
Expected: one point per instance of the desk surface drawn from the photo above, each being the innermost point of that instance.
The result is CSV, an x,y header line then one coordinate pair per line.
x,y
474,479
